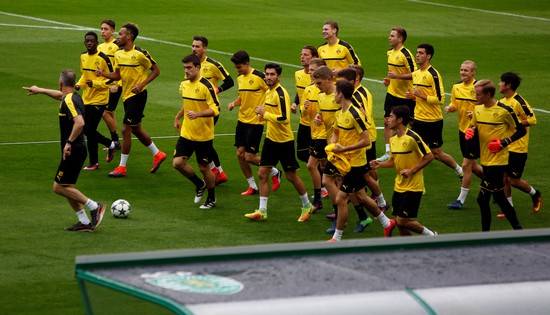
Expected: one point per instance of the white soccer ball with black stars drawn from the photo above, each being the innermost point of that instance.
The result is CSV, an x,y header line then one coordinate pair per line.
x,y
121,208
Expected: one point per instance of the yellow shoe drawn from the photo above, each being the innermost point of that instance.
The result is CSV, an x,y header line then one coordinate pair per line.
x,y
257,215
306,213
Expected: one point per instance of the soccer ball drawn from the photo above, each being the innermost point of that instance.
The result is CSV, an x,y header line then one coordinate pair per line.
x,y
121,208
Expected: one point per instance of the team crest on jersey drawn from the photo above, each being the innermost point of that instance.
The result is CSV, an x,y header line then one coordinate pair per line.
x,y
338,51
251,82
133,57
193,283
197,91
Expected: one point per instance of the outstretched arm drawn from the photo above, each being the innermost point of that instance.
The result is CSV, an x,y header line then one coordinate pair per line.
x,y
32,90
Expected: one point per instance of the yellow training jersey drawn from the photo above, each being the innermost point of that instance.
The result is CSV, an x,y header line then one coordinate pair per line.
x,y
302,80
252,90
134,68
213,71
429,82
327,107
277,115
407,150
198,96
362,98
463,98
109,48
524,113
496,122
98,94
350,124
339,55
400,61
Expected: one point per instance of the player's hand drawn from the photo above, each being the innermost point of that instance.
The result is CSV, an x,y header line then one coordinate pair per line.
x,y
392,75
450,109
374,164
31,90
386,81
113,88
67,150
77,87
90,83
177,124
338,148
138,88
231,105
470,114
410,95
469,133
306,104
293,107
318,119
406,173
216,90
99,72
495,145
260,110
192,115
418,93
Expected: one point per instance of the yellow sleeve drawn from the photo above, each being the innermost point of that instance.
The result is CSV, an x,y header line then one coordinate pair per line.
x,y
81,82
439,97
145,60
212,99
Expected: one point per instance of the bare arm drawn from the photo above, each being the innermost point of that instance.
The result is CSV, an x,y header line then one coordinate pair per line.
x,y
78,125
32,90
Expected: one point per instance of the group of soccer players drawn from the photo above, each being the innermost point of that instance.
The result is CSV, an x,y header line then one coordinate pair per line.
x,y
336,134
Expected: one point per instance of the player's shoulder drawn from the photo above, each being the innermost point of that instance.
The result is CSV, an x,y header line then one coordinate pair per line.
x,y
258,73
520,99
405,52
205,82
433,71
322,44
345,44
412,134
213,62
505,107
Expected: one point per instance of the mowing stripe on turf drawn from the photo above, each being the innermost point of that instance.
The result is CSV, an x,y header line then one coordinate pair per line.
x,y
79,27
530,17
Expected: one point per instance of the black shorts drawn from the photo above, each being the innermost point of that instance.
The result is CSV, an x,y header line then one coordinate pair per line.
x,y
430,132
303,140
392,101
317,149
354,180
331,170
516,164
202,149
469,148
134,107
248,136
113,100
371,153
69,169
275,152
493,177
406,204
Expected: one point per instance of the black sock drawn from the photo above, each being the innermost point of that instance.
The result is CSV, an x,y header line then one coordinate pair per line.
x,y
317,194
199,183
211,194
361,212
335,208
114,136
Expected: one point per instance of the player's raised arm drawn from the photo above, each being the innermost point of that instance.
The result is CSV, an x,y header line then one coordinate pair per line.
x,y
32,90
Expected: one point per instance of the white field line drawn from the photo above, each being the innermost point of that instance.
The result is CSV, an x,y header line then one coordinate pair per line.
x,y
43,27
529,17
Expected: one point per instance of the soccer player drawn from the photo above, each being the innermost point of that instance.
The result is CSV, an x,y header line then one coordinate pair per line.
x,y
278,145
401,65
350,140
250,126
337,53
430,96
213,71
199,107
463,101
73,152
109,47
508,85
135,68
95,95
409,155
303,79
497,126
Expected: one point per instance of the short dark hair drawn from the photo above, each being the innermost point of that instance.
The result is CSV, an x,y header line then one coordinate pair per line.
x,y
109,22
313,51
346,88
512,79
323,73
91,33
201,39
403,112
192,58
240,57
68,78
333,24
359,70
429,49
347,73
133,29
318,62
401,32
275,66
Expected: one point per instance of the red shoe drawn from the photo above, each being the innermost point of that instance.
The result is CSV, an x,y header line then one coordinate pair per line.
x,y
501,215
276,181
389,228
119,171
91,167
215,171
249,192
157,160
221,178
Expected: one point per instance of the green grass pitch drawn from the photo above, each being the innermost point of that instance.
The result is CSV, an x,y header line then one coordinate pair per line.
x,y
37,256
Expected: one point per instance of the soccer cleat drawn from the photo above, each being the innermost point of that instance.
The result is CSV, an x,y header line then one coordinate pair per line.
x,y
276,181
388,229
157,160
91,167
306,213
115,145
331,216
80,227
199,192
257,215
119,171
208,204
384,157
249,191
332,228
455,205
362,225
537,201
324,192
317,205
221,178
501,215
97,215
384,208
215,171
